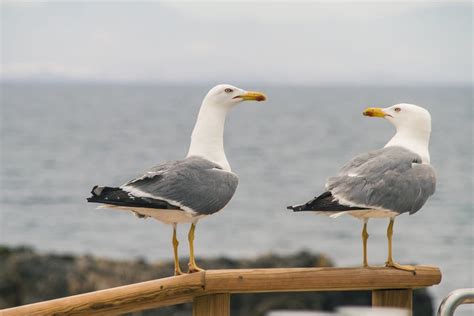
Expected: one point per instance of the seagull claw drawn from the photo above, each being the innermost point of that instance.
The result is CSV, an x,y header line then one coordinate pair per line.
x,y
402,267
195,269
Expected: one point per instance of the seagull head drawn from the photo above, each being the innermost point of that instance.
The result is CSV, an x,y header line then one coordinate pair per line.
x,y
403,116
226,95
413,124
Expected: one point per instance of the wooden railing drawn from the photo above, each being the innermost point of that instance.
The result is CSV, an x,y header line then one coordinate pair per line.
x,y
210,290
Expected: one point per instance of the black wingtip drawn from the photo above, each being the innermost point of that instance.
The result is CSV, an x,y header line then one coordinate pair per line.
x,y
324,203
296,208
93,190
96,191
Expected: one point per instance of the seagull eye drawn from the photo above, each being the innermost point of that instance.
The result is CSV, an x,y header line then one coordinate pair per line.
x,y
397,110
228,90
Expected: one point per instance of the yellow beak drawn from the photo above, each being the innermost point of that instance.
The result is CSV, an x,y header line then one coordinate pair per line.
x,y
252,96
374,112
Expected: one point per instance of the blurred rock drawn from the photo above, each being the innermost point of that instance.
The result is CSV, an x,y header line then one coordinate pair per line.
x,y
28,277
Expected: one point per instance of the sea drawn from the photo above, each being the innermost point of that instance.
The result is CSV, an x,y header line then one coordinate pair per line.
x,y
59,140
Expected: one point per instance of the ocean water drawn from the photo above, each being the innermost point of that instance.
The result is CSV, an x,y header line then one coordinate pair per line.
x,y
57,141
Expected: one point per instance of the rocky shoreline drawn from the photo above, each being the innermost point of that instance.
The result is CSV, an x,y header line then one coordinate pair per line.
x,y
27,276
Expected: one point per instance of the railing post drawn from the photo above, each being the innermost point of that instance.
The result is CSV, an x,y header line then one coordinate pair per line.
x,y
402,298
212,305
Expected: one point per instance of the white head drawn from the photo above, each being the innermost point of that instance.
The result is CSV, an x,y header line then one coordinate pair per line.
x,y
404,116
227,96
413,124
207,138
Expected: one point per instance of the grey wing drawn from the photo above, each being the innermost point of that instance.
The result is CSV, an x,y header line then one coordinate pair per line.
x,y
393,179
194,184
425,177
155,171
358,160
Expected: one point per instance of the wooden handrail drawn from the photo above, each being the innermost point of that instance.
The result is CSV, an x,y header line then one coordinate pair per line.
x,y
122,299
185,288
317,279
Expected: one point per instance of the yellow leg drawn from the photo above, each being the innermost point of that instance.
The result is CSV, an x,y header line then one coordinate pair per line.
x,y
192,263
390,262
177,269
365,236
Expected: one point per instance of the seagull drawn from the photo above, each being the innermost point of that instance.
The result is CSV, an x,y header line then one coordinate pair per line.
x,y
383,183
184,191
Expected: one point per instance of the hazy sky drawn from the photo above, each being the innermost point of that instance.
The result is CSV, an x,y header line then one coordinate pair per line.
x,y
292,42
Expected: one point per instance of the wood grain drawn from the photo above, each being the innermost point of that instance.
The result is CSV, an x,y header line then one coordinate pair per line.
x,y
182,289
318,279
129,298
212,305
393,298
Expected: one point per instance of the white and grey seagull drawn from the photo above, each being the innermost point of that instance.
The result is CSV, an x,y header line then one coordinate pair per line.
x,y
387,182
187,190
